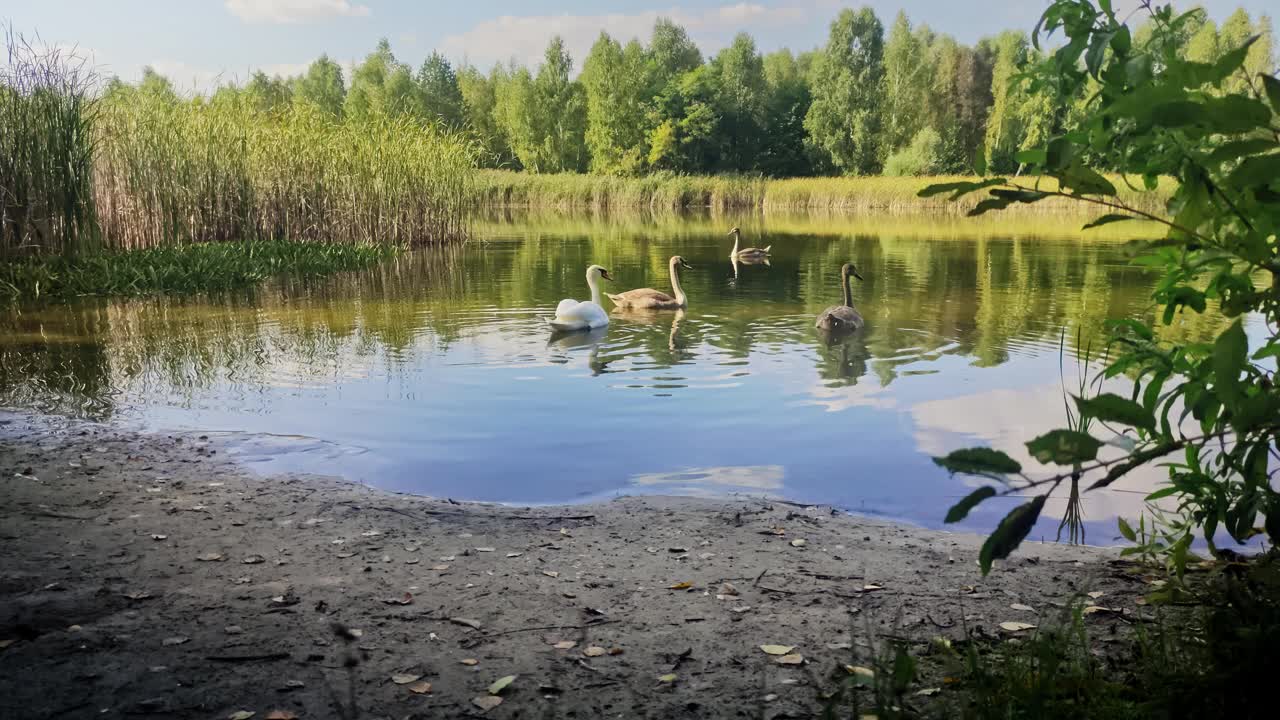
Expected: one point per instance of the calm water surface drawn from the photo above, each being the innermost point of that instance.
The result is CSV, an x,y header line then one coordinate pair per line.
x,y
434,374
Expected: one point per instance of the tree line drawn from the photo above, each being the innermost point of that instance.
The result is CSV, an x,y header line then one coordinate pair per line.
x,y
908,101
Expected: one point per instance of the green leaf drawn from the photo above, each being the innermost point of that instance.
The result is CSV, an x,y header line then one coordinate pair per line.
x,y
1013,529
1031,157
960,510
979,460
1108,219
1127,530
1230,354
1256,170
1110,407
1064,447
1179,113
1081,179
1272,87
1240,148
1022,196
1097,52
1122,41
988,205
1236,114
1163,493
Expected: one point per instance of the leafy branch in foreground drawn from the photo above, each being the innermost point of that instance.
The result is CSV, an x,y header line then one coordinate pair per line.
x,y
1213,129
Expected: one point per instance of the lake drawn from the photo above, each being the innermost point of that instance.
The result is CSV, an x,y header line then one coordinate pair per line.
x,y
435,374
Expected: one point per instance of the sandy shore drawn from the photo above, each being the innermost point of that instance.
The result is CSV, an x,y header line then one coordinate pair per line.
x,y
146,574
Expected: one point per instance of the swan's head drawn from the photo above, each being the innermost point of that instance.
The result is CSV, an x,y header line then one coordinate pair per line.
x,y
848,269
735,231
595,271
677,260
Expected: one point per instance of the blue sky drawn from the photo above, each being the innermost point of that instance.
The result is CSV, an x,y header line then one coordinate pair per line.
x,y
196,42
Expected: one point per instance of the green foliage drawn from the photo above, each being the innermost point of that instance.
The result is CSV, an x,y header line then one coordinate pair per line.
x,y
322,86
441,96
844,119
1188,102
922,157
618,88
179,269
544,117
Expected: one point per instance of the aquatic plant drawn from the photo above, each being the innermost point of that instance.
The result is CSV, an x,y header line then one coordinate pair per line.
x,y
179,269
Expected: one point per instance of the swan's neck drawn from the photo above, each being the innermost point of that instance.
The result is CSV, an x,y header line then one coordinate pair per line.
x,y
595,287
734,251
848,294
675,283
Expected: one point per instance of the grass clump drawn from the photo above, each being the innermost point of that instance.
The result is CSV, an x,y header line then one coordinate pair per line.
x,y
206,267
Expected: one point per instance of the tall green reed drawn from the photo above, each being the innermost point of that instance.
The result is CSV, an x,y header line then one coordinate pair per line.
x,y
180,171
46,149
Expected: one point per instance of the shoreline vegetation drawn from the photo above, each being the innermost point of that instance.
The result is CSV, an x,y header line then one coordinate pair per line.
x,y
178,269
897,195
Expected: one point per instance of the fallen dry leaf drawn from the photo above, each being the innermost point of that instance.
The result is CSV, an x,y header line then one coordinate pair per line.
x,y
406,599
1096,594
680,586
138,595
293,685
777,649
1020,606
514,554
799,542
871,588
486,702
253,560
241,715
1098,609
501,684
1016,626
790,659
551,573
742,609
171,641
565,645
370,533
420,688
210,557
593,651
668,678
728,589
473,624
615,651
405,679
281,715
860,671
440,567
484,549
469,661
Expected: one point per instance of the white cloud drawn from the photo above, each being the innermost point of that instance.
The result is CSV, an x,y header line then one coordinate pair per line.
x,y
282,12
523,38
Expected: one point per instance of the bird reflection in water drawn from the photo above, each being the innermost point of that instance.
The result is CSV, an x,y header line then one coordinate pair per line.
x,y
842,355
737,261
568,343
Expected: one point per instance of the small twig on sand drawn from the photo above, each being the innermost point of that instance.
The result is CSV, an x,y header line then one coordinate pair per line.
x,y
61,516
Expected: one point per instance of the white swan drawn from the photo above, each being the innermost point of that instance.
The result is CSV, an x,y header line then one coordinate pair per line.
x,y
588,315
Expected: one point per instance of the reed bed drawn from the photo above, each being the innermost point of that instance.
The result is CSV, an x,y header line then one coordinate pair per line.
x,y
177,269
171,171
501,188
46,150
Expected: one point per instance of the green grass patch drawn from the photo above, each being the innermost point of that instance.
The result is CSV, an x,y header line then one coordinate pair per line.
x,y
499,188
206,267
